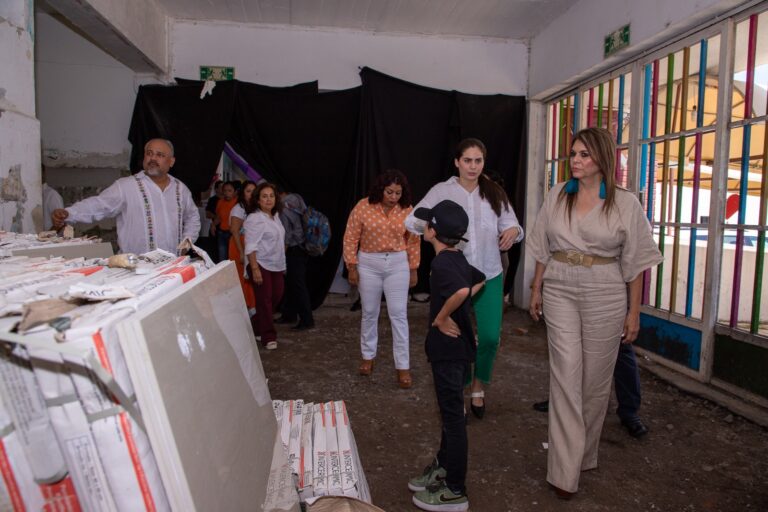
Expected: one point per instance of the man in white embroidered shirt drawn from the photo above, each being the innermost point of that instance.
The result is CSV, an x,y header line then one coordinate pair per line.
x,y
153,209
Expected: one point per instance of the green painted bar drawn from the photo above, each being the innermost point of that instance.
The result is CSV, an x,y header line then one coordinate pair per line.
x,y
600,105
665,173
680,175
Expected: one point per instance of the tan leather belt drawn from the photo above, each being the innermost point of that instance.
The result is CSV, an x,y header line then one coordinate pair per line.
x,y
576,258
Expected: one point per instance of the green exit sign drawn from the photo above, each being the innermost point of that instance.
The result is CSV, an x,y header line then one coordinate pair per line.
x,y
615,41
217,73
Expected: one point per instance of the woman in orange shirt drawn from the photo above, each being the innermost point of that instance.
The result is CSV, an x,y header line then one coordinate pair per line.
x,y
237,240
223,207
381,255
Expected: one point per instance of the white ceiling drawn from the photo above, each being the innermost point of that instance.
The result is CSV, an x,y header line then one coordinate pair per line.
x,y
508,19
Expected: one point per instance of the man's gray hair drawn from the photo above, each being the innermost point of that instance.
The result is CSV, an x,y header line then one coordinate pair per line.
x,y
166,141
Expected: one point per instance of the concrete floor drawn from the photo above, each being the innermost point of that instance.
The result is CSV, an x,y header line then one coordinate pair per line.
x,y
698,456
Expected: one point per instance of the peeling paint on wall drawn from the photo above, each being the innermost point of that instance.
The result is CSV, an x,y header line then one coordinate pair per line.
x,y
12,190
85,159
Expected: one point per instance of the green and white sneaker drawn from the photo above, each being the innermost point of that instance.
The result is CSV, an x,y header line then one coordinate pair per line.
x,y
432,476
441,499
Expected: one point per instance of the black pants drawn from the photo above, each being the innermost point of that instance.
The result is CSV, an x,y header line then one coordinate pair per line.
x,y
296,303
626,379
449,377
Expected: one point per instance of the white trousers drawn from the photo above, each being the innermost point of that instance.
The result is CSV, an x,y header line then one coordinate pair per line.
x,y
387,272
584,309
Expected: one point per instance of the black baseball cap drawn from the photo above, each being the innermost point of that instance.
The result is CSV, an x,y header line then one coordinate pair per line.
x,y
447,218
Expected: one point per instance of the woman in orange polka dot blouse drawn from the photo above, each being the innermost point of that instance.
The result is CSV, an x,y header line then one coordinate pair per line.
x,y
381,255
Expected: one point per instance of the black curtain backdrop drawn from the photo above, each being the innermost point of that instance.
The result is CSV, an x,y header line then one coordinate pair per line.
x,y
329,147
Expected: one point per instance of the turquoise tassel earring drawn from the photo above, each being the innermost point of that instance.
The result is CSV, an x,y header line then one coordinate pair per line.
x,y
602,189
572,186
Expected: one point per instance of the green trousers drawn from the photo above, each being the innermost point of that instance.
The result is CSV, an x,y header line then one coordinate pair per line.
x,y
488,305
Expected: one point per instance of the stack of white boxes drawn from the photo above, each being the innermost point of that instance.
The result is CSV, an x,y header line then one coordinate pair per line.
x,y
71,436
321,449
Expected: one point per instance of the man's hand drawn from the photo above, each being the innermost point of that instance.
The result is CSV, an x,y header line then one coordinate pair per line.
x,y
447,326
58,216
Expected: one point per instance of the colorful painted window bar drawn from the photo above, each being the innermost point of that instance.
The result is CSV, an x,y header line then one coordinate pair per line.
x,y
606,105
679,116
744,304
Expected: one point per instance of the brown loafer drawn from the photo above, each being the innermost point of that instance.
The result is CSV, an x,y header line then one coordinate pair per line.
x,y
366,367
404,379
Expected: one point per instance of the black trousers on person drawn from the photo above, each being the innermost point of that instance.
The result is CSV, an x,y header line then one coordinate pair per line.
x,y
296,303
449,377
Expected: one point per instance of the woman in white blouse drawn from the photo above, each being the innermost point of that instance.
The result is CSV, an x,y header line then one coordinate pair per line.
x,y
493,226
265,250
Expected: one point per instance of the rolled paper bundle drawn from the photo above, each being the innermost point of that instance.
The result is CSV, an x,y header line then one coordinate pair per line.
x,y
122,261
69,232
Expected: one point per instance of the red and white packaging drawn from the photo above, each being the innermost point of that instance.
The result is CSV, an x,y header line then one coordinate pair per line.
x,y
294,438
306,464
72,431
320,453
124,448
348,466
332,448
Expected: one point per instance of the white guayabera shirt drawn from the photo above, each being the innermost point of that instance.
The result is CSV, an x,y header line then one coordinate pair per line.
x,y
482,249
147,218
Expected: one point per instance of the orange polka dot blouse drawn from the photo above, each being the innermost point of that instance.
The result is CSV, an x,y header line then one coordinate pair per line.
x,y
369,229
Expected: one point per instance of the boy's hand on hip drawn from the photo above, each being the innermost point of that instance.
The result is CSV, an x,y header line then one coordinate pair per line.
x,y
447,326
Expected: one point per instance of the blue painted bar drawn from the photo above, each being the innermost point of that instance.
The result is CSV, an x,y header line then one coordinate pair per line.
x,y
696,180
646,124
673,341
620,127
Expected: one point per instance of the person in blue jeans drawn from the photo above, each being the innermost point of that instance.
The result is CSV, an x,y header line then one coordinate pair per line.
x,y
626,381
451,349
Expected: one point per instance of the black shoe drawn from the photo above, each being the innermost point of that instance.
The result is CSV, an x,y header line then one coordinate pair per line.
x,y
302,327
478,410
635,427
356,306
283,320
541,406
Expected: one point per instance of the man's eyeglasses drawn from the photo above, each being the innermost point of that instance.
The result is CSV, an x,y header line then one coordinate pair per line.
x,y
158,154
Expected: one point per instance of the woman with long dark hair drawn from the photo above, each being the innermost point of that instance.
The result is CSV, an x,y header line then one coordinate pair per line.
x,y
591,243
381,255
237,241
493,227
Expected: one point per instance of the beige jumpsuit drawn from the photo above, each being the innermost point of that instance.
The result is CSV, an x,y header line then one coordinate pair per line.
x,y
584,309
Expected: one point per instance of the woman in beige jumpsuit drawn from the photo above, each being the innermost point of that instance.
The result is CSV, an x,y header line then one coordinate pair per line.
x,y
591,242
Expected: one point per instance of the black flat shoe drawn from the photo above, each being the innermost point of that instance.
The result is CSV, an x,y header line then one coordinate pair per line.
x,y
283,320
541,406
635,427
302,327
478,410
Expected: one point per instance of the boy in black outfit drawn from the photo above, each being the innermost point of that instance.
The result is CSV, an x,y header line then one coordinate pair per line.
x,y
450,348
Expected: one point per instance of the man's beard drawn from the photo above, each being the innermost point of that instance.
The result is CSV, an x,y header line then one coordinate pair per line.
x,y
153,171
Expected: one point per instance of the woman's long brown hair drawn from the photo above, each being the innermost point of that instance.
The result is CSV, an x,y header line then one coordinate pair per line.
x,y
602,150
489,190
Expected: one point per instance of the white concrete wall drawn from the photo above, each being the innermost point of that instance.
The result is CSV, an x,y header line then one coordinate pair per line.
x,y
571,47
282,56
85,99
20,187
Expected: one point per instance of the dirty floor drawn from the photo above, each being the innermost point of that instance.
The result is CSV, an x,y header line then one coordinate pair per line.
x,y
697,456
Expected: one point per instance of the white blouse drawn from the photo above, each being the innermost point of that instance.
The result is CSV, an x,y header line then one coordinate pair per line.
x,y
265,236
482,250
